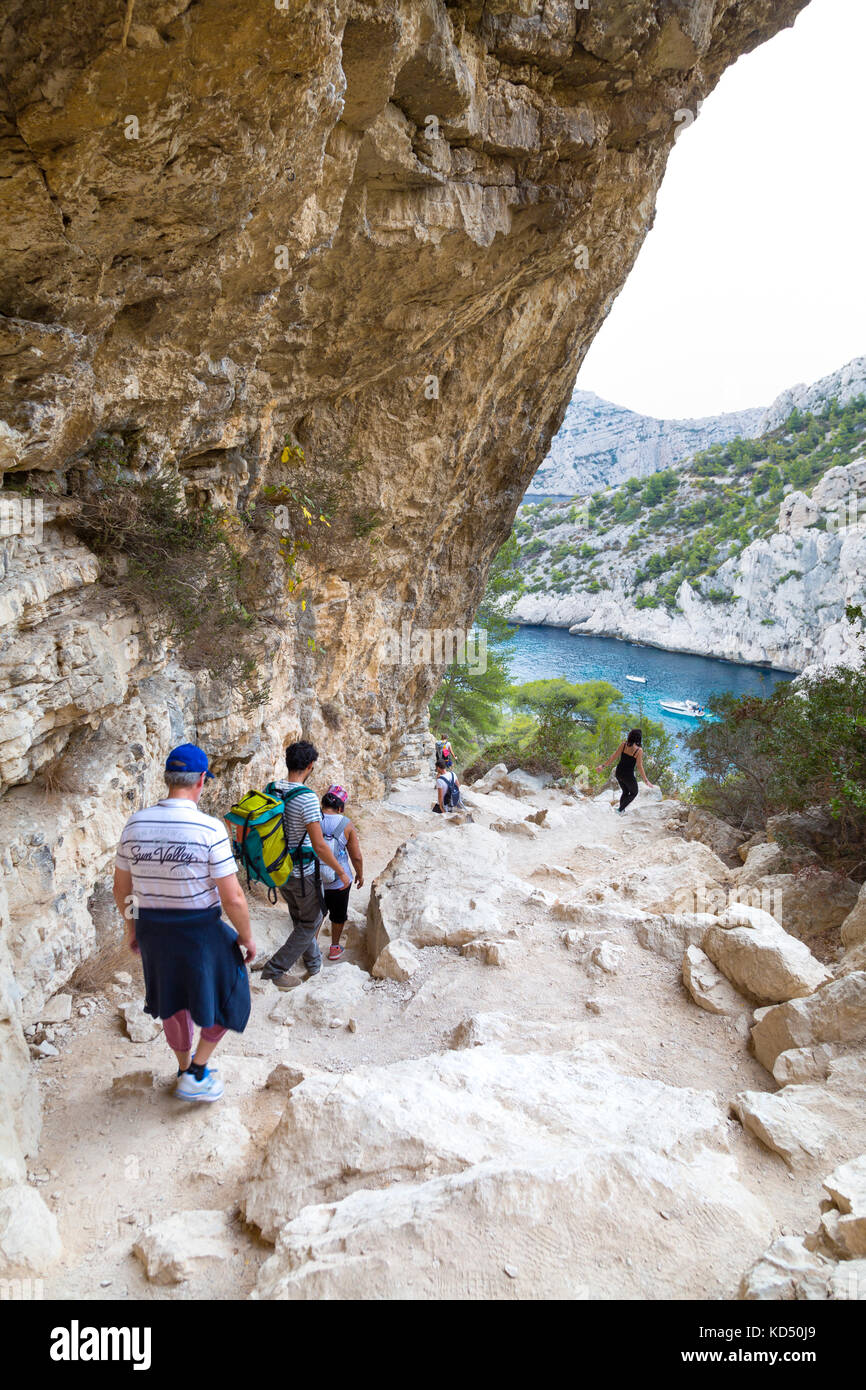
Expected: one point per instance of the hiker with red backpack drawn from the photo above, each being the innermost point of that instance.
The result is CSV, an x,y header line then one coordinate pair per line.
x,y
447,787
341,837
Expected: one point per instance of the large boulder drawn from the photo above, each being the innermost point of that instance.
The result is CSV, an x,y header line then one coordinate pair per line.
x,y
847,1188
440,889
333,993
811,905
761,860
723,839
811,1124
522,783
813,829
670,935
787,1271
836,1013
492,777
853,929
761,959
550,1166
676,879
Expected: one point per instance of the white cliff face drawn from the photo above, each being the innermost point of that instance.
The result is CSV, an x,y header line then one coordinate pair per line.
x,y
600,443
787,593
849,381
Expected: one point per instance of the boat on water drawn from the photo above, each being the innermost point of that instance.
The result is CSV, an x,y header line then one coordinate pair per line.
x,y
689,709
639,680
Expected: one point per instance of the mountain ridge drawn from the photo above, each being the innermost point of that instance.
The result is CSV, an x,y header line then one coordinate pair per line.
x,y
601,443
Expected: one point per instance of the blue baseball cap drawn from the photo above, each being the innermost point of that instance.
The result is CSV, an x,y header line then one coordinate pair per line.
x,y
188,757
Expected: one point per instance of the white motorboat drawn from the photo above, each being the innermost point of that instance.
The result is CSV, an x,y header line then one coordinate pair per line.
x,y
687,708
638,680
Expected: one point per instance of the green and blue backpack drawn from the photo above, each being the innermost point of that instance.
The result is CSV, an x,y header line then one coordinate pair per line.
x,y
257,828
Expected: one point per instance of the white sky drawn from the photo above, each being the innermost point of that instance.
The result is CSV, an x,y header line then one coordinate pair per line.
x,y
753,277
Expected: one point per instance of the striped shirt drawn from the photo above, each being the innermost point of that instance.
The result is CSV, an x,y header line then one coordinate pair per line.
x,y
175,854
301,811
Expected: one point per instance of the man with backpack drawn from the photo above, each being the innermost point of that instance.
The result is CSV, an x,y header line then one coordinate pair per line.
x,y
302,890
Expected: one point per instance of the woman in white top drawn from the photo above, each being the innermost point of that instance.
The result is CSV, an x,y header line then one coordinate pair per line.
x,y
341,838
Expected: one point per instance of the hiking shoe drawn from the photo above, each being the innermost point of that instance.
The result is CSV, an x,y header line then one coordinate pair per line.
x,y
315,970
209,1088
336,953
284,981
259,963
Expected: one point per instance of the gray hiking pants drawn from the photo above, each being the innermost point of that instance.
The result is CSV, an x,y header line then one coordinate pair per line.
x,y
305,909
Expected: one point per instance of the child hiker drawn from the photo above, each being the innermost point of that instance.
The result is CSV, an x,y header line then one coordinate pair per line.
x,y
341,837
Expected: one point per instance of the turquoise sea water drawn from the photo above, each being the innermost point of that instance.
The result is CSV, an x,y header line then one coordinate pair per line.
x,y
542,653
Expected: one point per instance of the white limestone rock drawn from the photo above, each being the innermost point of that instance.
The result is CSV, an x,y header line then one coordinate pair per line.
x,y
809,906
285,1078
509,1157
331,994
58,1009
847,1188
440,889
140,1027
479,1029
492,778
525,828
708,987
29,1239
760,959
853,928
812,1123
174,1249
800,1065
672,934
500,953
400,960
557,871
836,1013
786,1271
761,859
721,838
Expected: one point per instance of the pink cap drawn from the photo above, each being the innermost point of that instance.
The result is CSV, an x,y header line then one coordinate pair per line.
x,y
339,792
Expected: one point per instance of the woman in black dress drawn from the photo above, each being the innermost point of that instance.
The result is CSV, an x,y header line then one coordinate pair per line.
x,y
630,754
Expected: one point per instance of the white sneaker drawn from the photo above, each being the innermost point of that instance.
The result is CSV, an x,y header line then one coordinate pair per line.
x,y
209,1088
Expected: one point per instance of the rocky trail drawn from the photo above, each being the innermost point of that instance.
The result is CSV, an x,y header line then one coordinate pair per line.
x,y
528,1104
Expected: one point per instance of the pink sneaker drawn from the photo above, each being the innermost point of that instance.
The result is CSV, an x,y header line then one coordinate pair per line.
x,y
335,953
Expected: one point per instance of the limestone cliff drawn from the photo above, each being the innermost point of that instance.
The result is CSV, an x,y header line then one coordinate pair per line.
x,y
386,233
600,444
780,603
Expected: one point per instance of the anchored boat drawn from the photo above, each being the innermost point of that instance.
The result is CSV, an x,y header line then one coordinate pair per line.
x,y
638,680
687,708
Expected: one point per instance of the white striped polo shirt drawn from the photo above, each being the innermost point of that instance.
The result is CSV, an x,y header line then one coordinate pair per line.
x,y
175,853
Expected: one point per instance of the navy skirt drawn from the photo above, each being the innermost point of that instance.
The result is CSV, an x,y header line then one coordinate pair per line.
x,y
192,960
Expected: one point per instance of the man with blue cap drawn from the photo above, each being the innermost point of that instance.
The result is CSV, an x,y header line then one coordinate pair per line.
x,y
174,875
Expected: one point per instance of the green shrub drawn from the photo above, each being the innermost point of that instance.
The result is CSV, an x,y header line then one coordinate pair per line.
x,y
182,563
